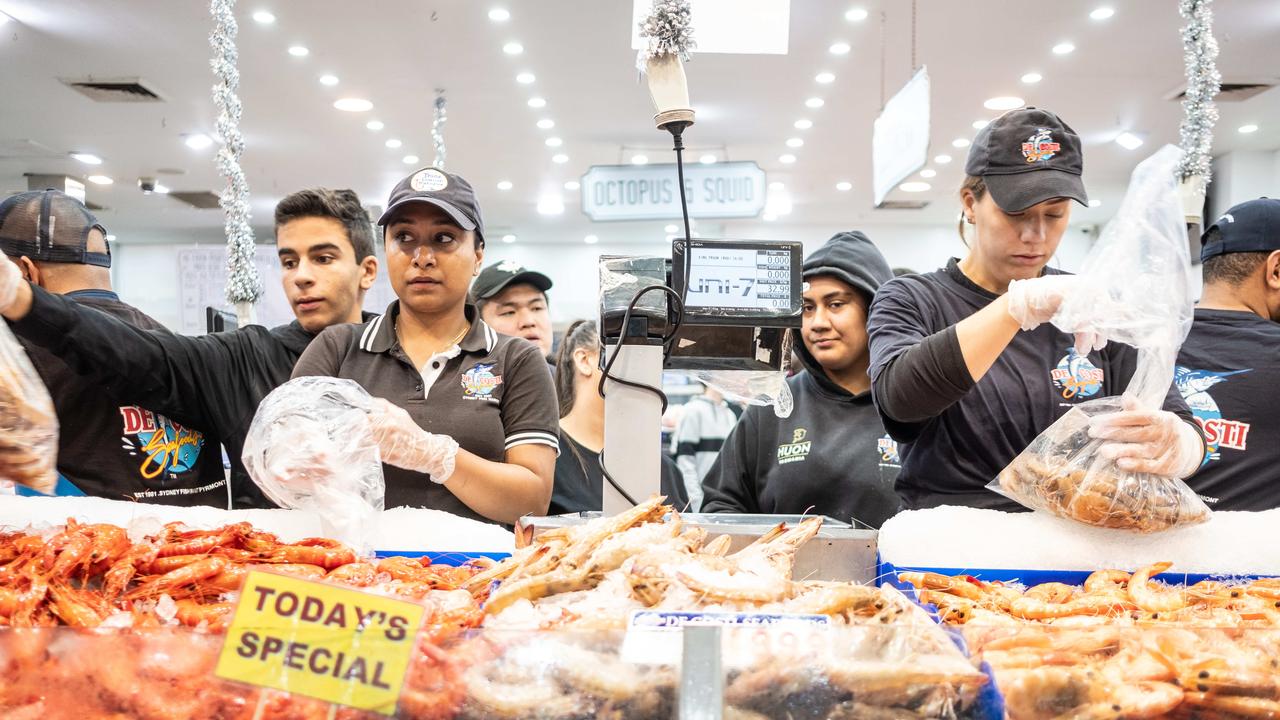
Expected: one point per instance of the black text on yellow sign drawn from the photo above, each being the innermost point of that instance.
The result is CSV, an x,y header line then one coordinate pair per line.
x,y
331,643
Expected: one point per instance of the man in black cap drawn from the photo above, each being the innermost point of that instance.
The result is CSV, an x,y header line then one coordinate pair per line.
x,y
1229,366
106,446
513,300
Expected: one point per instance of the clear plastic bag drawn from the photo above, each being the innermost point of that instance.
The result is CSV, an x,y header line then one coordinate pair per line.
x,y
28,422
311,447
1137,291
750,387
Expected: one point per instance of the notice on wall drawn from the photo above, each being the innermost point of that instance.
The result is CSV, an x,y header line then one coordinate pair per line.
x,y
652,192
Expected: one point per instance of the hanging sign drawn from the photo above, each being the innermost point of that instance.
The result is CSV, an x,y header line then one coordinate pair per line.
x,y
900,143
652,192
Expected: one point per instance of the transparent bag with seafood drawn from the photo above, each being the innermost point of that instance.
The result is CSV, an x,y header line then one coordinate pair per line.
x,y
311,447
28,423
1137,291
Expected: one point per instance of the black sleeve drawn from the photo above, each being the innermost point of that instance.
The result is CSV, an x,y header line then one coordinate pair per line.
x,y
730,484
672,482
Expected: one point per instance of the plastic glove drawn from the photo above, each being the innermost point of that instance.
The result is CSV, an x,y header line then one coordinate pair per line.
x,y
1034,302
406,445
1148,441
10,278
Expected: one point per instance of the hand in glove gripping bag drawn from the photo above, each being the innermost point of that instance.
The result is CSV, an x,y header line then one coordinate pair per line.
x,y
28,423
1148,441
406,445
1036,301
10,279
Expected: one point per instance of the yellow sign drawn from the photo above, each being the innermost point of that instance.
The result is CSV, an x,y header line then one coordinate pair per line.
x,y
331,643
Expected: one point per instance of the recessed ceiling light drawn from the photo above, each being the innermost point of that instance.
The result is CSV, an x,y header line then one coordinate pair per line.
x,y
855,15
504,185
353,105
546,123
814,103
844,186
591,239
409,159
915,187
1246,129
554,142
669,229
1095,202
198,141
795,142
100,180
707,159
161,189
374,125
839,48
942,159
803,124
559,158
329,80
513,48
1102,13
572,185
537,102
786,159
1004,102
960,143
499,15
110,238
1032,78
550,205
393,143
825,78
928,173
1128,141
769,217
298,51
1063,48
87,158
525,78
639,159
775,185
508,238
979,124
264,17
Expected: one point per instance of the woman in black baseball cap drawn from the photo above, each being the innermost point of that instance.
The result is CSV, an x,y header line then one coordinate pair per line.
x,y
966,368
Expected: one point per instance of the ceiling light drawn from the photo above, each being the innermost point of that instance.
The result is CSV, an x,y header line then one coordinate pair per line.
x,y
374,125
1063,48
855,15
942,159
769,217
639,159
560,158
707,159
844,186
504,185
550,205
553,142
264,17
353,105
775,185
840,48
1102,13
979,124
572,184
161,189
546,123
508,238
1032,78
329,80
825,78
100,180
393,143
1128,141
915,187
669,229
803,124
960,143
1246,129
198,141
87,158
591,239
786,159
814,103
1095,202
795,142
299,51
513,48
409,159
525,78
1004,102
499,15
537,102
928,173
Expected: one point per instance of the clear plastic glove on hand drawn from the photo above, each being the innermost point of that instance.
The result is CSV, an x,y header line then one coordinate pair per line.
x,y
1148,441
404,444
1034,302
10,278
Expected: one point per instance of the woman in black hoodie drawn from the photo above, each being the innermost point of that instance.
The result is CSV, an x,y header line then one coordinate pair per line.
x,y
832,455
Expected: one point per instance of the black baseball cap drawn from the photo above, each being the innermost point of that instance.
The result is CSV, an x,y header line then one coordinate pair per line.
x,y
1027,156
1251,226
446,191
50,226
496,278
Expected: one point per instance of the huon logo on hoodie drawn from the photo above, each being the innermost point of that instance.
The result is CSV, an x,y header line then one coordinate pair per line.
x,y
797,450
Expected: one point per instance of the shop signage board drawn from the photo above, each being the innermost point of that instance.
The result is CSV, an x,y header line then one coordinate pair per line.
x,y
900,140
652,192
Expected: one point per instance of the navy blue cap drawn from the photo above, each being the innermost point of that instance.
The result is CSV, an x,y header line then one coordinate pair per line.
x,y
1252,226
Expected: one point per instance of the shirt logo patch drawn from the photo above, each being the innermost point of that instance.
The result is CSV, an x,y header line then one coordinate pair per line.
x,y
1040,147
797,450
479,383
888,448
1219,433
1076,377
166,447
429,180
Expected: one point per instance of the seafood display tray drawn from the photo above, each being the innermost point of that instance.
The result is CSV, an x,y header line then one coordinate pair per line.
x,y
887,574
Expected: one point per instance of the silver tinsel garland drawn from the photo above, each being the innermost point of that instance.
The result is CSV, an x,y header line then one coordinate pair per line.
x,y
243,283
669,30
1200,53
437,129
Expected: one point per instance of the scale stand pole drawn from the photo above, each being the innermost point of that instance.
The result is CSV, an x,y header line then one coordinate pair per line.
x,y
632,423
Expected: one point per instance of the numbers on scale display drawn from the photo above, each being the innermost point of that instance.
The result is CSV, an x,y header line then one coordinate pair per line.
x,y
741,279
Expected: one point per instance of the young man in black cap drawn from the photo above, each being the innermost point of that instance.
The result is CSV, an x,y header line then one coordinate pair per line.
x,y
831,456
513,300
1229,366
106,447
214,382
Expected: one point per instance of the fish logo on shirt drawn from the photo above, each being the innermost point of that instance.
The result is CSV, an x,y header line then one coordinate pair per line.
x,y
1076,377
888,448
1219,433
479,383
166,447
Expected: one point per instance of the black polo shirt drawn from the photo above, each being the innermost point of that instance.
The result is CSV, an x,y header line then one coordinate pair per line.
x,y
489,392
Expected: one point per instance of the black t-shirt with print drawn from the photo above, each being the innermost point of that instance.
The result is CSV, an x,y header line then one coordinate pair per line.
x,y
1229,374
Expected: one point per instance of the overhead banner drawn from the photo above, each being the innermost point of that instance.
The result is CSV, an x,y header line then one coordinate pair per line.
x,y
900,143
745,27
652,192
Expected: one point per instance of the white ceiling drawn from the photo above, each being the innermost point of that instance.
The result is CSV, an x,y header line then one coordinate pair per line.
x,y
395,52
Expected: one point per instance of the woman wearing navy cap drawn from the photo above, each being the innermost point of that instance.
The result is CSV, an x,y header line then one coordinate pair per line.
x,y
966,370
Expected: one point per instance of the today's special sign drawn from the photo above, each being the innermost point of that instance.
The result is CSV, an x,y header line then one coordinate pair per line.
x,y
652,192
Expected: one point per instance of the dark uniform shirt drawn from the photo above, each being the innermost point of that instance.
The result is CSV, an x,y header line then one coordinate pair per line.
x,y
579,483
1229,374
490,393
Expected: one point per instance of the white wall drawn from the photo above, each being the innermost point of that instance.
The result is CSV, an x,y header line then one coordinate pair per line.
x,y
1243,175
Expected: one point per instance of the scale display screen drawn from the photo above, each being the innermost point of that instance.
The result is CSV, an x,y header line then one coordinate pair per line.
x,y
739,280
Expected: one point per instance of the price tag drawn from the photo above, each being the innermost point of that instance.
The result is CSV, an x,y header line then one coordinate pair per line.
x,y
326,642
653,636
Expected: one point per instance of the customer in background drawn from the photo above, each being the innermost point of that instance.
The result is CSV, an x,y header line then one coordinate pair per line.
x,y
513,301
706,422
579,480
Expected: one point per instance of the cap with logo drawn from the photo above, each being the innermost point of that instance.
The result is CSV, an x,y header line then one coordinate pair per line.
x,y
50,226
1027,156
444,190
496,278
1251,226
